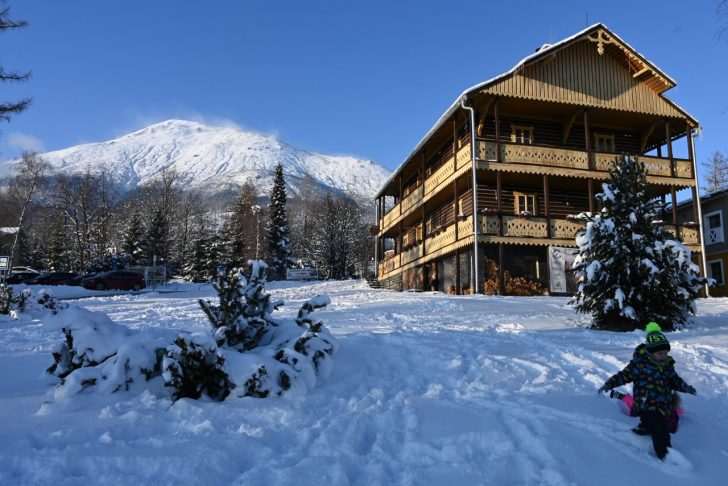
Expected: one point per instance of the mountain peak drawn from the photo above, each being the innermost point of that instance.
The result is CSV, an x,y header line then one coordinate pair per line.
x,y
218,158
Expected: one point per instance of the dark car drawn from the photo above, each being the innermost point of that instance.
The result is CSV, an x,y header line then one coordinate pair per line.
x,y
20,277
115,280
52,278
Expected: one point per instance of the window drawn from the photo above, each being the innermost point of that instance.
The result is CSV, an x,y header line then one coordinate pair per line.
x,y
524,203
521,134
715,270
713,223
603,142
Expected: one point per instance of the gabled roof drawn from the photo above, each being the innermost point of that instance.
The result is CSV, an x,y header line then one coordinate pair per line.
x,y
607,42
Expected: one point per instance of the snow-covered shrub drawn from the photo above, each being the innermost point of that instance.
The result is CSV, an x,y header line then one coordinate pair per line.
x,y
98,352
277,356
630,270
193,366
26,301
243,315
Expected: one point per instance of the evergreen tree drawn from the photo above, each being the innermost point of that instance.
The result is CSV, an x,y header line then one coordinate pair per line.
x,y
242,233
56,255
7,109
278,226
156,241
631,270
133,238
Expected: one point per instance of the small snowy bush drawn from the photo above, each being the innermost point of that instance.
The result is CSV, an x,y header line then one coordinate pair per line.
x,y
193,366
98,352
247,352
281,356
27,301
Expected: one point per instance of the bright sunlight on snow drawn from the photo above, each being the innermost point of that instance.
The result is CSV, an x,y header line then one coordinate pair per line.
x,y
426,389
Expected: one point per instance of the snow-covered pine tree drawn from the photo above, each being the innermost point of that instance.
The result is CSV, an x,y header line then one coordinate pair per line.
x,y
242,318
278,226
630,269
133,238
242,236
156,241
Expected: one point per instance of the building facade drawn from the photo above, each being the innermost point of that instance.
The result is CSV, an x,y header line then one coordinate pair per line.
x,y
714,207
486,201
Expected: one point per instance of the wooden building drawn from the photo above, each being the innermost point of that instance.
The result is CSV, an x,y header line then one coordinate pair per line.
x,y
714,208
491,187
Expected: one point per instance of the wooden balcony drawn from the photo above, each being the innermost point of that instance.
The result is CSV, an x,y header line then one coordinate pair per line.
x,y
411,254
688,235
440,240
412,199
562,228
578,159
390,217
464,156
440,175
535,155
530,227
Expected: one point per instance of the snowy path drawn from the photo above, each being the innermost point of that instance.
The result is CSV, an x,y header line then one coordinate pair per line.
x,y
426,389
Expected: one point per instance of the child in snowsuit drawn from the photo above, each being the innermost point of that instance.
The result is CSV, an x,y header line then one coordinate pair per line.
x,y
653,377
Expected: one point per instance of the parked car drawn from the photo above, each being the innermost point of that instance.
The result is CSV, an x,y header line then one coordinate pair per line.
x,y
115,280
24,270
52,278
19,277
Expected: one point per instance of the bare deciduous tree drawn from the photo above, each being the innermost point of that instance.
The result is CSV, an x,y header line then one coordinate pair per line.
x,y
7,109
30,175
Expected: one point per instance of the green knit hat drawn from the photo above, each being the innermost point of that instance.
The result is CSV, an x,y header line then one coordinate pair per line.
x,y
656,341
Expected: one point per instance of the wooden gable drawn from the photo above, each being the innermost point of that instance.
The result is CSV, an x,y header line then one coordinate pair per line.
x,y
579,74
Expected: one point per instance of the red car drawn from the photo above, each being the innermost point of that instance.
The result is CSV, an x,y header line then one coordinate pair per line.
x,y
115,280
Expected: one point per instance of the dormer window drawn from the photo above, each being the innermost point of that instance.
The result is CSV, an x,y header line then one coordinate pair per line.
x,y
521,134
604,142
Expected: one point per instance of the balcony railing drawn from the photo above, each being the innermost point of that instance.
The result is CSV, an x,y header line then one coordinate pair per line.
x,y
440,175
577,159
412,198
531,227
688,235
562,228
391,216
411,254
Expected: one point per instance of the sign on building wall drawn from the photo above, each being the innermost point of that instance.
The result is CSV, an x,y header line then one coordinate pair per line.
x,y
4,263
561,260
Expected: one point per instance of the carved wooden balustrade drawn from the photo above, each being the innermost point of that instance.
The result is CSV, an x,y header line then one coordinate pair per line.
x,y
489,225
440,240
389,265
531,227
391,216
465,227
464,156
411,254
688,235
412,199
440,175
563,228
534,154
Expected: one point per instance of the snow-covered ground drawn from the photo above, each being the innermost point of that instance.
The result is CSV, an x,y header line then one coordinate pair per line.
x,y
426,389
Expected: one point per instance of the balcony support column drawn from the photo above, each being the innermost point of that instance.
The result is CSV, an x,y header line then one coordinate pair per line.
x,y
673,199
499,199
668,138
496,114
697,209
455,207
376,239
590,188
546,205
501,261
587,141
457,271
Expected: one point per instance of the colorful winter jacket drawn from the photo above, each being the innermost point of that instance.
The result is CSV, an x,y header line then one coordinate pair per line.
x,y
652,381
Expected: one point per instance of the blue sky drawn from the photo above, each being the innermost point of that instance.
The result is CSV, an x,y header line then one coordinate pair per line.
x,y
338,77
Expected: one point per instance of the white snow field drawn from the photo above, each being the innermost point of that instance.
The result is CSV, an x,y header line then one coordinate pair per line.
x,y
426,389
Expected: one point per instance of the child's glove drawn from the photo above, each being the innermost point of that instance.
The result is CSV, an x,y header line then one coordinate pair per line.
x,y
603,389
690,389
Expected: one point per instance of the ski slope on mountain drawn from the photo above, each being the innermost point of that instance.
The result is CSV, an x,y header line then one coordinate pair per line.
x,y
426,389
216,158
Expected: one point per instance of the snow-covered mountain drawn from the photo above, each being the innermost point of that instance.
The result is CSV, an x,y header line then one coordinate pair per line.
x,y
217,158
